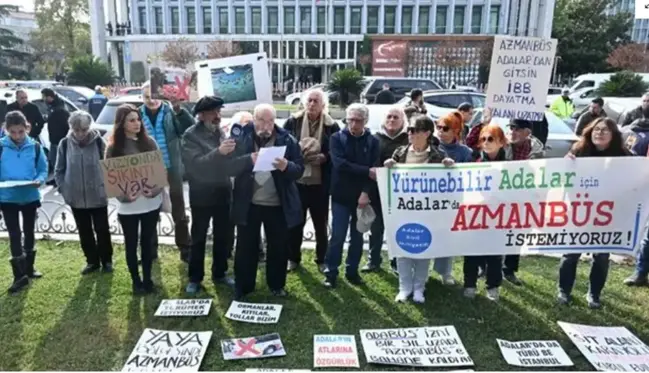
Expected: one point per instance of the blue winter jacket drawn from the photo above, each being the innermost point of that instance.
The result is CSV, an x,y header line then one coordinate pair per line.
x,y
18,163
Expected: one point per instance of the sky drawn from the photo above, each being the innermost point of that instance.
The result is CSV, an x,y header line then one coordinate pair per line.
x,y
26,5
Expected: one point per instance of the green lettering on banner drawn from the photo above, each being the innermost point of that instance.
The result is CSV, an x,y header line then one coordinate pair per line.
x,y
542,179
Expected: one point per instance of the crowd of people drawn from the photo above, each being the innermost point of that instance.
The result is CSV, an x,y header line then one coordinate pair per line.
x,y
326,167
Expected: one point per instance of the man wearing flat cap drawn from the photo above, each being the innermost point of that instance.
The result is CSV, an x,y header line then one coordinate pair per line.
x,y
209,162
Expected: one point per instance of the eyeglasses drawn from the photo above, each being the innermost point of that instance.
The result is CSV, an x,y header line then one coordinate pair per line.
x,y
601,130
442,128
487,139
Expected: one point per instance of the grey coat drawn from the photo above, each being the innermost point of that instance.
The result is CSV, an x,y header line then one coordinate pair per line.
x,y
78,173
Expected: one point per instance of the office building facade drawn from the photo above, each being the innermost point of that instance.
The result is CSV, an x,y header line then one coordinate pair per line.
x,y
640,30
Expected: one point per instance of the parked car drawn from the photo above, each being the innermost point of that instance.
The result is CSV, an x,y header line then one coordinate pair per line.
x,y
560,135
79,95
398,86
580,99
295,97
37,84
442,102
130,91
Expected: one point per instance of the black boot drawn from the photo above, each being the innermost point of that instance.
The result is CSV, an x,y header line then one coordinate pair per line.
x,y
20,278
31,271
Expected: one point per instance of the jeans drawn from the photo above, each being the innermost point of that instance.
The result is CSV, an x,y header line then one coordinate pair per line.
x,y
314,199
11,213
443,266
246,257
598,273
413,274
98,250
139,228
494,272
510,265
376,238
342,218
219,215
642,259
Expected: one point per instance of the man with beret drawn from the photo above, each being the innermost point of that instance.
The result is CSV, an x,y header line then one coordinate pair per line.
x,y
208,158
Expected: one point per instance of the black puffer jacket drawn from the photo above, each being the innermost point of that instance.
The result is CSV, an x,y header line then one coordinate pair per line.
x,y
57,121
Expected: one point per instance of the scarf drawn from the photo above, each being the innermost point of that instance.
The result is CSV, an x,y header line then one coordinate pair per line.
x,y
312,173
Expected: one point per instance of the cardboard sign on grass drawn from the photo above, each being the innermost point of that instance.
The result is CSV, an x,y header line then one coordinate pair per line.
x,y
269,345
609,348
534,353
335,351
134,173
255,313
167,351
438,346
184,307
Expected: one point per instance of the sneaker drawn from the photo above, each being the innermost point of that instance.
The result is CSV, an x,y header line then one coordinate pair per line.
x,y
418,297
292,266
193,288
370,268
593,302
469,293
513,279
493,294
402,297
225,280
329,283
448,280
354,280
563,298
636,280
107,268
90,268
481,272
281,293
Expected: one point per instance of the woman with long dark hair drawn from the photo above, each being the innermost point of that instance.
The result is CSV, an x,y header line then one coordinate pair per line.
x,y
138,211
601,138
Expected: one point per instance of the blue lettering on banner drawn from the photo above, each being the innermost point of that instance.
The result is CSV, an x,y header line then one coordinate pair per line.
x,y
414,238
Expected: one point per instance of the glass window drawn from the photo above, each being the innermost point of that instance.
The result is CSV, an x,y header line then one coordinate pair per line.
x,y
273,19
406,20
223,21
157,18
478,100
289,20
255,20
322,20
141,16
355,24
239,20
476,19
390,19
175,20
207,20
440,19
458,20
339,20
372,19
424,19
446,101
305,19
494,19
190,11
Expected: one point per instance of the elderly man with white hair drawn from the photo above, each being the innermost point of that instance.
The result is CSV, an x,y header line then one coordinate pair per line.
x,y
80,180
313,128
354,154
265,197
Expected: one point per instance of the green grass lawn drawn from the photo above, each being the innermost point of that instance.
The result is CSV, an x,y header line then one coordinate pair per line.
x,y
68,322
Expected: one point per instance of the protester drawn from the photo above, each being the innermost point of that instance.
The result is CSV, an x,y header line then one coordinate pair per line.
x,y
413,273
354,155
22,159
138,211
601,138
562,106
417,104
161,123
97,102
466,110
80,179
313,129
57,121
385,96
30,111
391,136
472,139
596,110
631,116
270,198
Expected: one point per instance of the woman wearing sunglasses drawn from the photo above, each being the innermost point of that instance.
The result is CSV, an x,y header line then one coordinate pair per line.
x,y
413,273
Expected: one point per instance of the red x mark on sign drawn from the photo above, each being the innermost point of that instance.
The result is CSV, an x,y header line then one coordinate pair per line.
x,y
247,347
183,87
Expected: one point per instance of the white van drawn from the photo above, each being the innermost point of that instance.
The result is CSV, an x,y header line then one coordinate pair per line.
x,y
595,80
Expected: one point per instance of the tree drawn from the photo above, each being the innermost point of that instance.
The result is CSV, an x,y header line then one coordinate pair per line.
x,y
630,56
180,53
623,84
10,55
451,55
348,84
222,49
586,35
89,72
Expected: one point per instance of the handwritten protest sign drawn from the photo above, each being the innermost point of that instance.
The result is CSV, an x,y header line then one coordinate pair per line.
x,y
549,205
184,307
269,345
534,353
166,351
416,347
613,349
519,76
134,173
335,351
256,313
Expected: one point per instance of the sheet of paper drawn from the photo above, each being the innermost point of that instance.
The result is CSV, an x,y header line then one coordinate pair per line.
x,y
267,156
15,183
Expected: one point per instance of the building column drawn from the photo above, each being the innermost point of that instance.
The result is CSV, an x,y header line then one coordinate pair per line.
x,y
231,18
521,28
364,18
182,17
512,26
150,22
486,17
98,29
468,17
532,26
397,17
450,17
314,18
348,17
166,17
114,57
247,16
133,17
198,14
264,19
415,17
216,20
546,14
382,17
504,19
432,18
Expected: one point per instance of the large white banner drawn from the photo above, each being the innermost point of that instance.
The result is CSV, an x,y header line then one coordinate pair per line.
x,y
519,76
498,208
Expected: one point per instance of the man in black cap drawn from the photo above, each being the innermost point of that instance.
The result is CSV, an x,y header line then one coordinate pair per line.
x,y
209,162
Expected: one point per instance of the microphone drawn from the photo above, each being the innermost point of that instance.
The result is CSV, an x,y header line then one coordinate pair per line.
x,y
239,130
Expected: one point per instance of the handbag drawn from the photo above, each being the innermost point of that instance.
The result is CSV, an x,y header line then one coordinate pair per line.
x,y
166,202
